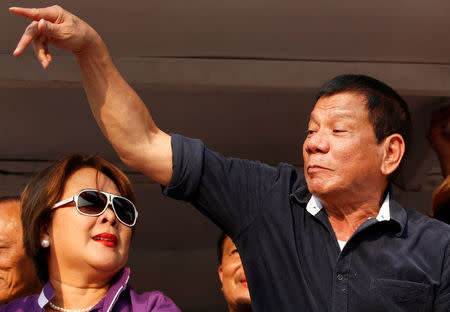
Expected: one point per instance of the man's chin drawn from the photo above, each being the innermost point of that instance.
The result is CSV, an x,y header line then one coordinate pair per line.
x,y
243,305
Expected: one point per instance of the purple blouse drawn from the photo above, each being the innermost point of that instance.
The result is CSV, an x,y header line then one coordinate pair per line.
x,y
119,298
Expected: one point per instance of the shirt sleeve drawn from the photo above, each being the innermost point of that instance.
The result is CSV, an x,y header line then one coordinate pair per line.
x,y
229,191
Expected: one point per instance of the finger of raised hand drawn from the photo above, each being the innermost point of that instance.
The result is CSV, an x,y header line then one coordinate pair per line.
x,y
52,14
51,30
31,32
40,47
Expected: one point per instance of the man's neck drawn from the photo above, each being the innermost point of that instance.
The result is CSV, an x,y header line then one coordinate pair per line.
x,y
346,216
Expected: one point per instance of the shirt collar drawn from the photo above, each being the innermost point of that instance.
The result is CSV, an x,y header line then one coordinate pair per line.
x,y
384,213
46,295
396,212
118,284
314,206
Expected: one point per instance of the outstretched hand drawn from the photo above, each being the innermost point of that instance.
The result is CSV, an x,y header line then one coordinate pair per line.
x,y
56,26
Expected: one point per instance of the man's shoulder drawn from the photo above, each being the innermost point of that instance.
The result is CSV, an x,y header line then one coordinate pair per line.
x,y
290,176
427,226
417,217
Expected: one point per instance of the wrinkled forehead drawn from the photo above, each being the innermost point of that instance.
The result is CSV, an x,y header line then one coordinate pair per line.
x,y
346,105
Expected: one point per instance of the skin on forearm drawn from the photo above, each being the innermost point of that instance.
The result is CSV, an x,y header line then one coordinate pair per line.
x,y
120,113
122,116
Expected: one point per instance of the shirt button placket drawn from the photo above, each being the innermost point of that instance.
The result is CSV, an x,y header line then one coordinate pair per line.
x,y
340,292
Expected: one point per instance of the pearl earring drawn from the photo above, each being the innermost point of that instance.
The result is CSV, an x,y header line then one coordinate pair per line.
x,y
45,243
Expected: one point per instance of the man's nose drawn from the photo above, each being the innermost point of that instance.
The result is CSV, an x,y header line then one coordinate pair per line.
x,y
317,142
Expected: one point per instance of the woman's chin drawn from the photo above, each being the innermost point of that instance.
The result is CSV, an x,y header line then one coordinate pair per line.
x,y
107,264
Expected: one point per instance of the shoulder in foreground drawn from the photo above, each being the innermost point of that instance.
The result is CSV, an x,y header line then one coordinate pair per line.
x,y
21,304
154,301
426,223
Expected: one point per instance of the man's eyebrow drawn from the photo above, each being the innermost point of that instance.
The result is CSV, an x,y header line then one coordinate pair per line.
x,y
311,117
342,114
338,114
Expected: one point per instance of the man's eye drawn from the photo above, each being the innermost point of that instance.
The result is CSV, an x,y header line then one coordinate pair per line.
x,y
310,131
338,130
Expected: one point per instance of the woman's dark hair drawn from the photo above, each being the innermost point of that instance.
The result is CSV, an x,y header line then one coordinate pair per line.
x,y
45,190
388,112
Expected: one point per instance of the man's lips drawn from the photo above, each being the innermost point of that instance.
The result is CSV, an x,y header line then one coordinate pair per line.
x,y
107,239
316,168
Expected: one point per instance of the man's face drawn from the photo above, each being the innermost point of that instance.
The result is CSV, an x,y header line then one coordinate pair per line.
x,y
340,152
232,276
17,275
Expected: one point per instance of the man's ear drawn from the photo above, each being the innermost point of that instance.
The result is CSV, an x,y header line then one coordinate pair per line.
x,y
220,273
393,151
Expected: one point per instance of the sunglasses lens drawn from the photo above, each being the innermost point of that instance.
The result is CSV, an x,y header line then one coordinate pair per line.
x,y
125,210
91,202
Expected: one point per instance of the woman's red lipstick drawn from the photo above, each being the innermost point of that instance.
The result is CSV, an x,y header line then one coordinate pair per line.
x,y
107,239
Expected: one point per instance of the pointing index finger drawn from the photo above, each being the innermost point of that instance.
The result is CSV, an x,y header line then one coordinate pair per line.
x,y
50,14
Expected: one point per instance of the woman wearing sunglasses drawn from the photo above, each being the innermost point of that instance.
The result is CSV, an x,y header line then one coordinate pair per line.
x,y
78,217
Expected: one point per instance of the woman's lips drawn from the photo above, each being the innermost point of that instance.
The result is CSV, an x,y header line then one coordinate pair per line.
x,y
107,239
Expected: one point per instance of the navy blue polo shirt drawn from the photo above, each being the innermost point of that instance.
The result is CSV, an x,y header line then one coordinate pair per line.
x,y
291,257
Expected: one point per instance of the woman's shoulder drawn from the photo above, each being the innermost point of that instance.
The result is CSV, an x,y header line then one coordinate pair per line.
x,y
29,303
154,301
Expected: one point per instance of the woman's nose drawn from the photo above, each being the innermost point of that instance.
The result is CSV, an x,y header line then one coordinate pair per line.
x,y
108,216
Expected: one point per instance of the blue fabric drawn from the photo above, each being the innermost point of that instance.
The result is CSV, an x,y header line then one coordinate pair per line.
x,y
119,298
292,259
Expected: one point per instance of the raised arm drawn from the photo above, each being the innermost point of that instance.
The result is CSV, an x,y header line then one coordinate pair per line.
x,y
120,113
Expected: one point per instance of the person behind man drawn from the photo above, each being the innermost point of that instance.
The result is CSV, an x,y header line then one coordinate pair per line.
x,y
330,239
17,274
439,136
232,276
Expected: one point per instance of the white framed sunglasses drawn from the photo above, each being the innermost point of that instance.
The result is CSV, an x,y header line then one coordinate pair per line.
x,y
94,203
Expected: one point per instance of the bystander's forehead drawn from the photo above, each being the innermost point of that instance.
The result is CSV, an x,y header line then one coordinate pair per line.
x,y
10,234
9,221
228,246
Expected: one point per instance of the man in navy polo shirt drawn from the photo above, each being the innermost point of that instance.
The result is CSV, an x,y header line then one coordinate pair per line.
x,y
330,239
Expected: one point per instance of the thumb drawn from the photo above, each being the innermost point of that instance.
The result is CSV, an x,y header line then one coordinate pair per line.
x,y
50,30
